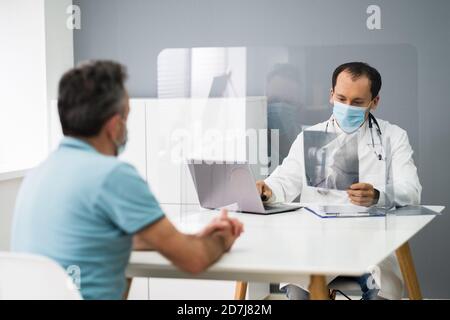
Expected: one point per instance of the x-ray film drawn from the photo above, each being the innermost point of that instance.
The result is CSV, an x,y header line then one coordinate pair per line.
x,y
331,161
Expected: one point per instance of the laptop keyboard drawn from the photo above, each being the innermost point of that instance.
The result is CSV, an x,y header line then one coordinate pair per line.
x,y
271,206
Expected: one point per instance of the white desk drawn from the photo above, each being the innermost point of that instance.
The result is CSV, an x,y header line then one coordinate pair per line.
x,y
289,246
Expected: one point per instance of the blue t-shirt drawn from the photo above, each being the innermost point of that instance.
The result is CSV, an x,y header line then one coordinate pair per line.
x,y
81,209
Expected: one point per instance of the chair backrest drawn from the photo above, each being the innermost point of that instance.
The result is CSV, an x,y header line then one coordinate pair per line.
x,y
32,277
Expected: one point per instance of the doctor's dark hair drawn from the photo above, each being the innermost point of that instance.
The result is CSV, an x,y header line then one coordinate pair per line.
x,y
357,70
89,95
285,71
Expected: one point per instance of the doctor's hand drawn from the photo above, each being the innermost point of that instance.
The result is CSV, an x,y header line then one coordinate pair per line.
x,y
264,190
363,194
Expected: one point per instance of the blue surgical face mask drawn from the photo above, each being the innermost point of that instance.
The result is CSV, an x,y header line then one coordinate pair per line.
x,y
349,118
120,145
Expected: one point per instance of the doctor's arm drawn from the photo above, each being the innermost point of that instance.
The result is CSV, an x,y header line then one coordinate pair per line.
x,y
405,185
286,181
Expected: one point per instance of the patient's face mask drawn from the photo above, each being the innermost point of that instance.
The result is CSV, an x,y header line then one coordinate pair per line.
x,y
349,118
121,144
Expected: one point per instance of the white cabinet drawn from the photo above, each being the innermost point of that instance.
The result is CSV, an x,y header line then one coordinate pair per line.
x,y
180,289
224,129
186,289
135,153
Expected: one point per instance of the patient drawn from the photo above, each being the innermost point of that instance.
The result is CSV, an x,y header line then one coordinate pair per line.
x,y
82,206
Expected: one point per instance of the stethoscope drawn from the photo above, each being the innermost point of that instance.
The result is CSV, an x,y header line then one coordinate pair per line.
x,y
372,120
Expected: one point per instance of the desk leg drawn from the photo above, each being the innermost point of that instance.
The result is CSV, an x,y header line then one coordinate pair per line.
x,y
240,291
408,272
127,288
318,288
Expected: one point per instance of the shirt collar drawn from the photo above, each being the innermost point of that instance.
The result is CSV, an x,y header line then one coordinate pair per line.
x,y
71,142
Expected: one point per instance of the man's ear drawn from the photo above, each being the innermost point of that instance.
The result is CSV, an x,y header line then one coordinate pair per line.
x,y
331,96
375,103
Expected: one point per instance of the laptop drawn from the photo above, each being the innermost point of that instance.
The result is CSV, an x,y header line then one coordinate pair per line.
x,y
221,184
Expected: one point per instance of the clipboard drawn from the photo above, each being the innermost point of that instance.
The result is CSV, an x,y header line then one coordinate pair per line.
x,y
345,211
352,211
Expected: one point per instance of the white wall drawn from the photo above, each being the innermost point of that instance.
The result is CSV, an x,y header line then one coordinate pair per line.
x,y
59,50
23,83
36,49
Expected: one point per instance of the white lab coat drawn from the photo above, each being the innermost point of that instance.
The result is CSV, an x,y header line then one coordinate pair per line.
x,y
288,181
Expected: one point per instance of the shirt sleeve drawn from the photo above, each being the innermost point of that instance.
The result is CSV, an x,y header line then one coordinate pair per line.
x,y
405,187
126,199
287,179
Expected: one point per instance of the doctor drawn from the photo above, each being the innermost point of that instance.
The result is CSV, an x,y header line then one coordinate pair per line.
x,y
354,96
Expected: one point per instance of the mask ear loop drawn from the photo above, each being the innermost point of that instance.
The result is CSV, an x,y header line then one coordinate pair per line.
x,y
124,139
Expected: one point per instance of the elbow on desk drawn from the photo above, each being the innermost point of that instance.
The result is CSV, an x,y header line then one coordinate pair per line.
x,y
195,265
